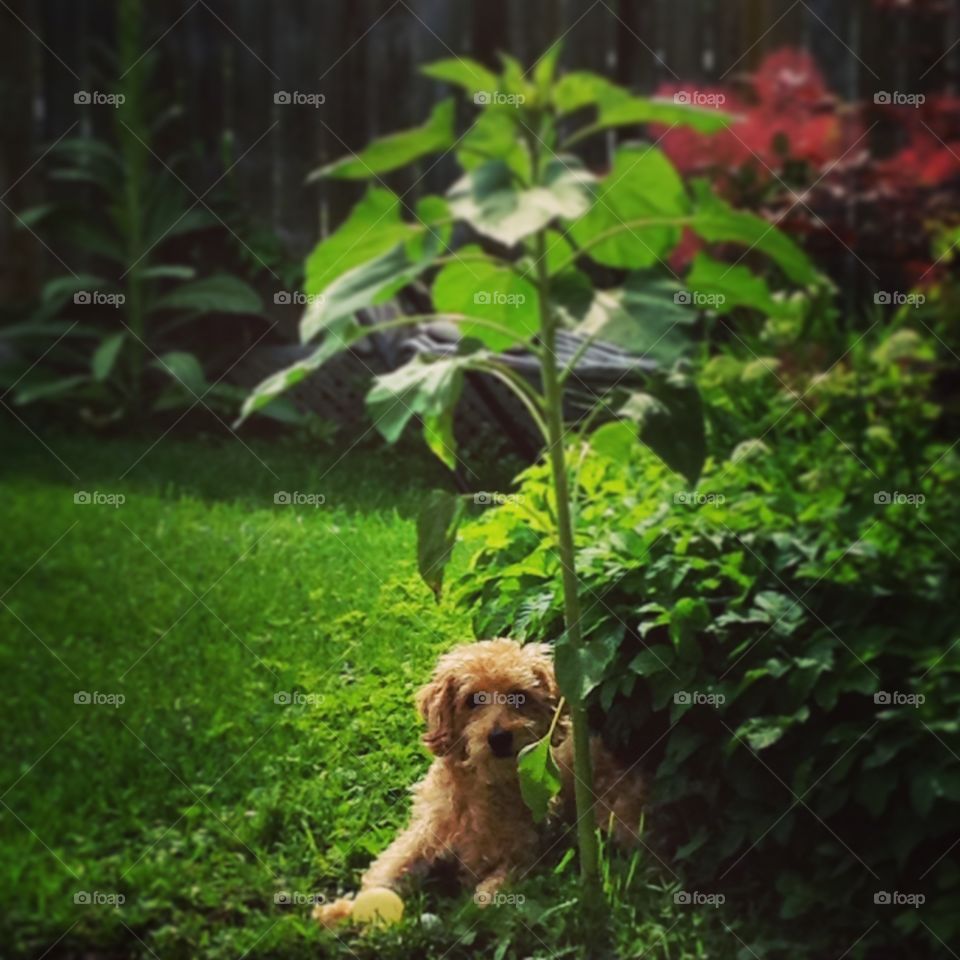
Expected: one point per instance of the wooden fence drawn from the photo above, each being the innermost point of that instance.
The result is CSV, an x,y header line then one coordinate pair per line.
x,y
224,61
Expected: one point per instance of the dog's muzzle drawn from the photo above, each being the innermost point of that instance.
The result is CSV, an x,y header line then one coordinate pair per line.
x,y
501,743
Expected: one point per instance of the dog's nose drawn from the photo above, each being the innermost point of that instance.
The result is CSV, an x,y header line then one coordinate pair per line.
x,y
501,743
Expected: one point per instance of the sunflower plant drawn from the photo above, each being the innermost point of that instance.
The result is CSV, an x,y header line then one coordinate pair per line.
x,y
545,246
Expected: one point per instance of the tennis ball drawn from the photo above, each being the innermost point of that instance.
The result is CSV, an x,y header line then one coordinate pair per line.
x,y
377,905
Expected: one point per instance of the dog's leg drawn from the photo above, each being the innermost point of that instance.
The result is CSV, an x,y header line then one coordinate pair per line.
x,y
405,854
488,888
412,848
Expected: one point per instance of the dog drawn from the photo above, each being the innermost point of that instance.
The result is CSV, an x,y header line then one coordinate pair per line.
x,y
485,702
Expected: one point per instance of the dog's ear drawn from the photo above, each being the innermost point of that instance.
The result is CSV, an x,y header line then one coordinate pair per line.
x,y
541,655
436,703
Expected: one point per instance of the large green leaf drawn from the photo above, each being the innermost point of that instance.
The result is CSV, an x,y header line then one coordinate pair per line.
x,y
220,293
105,356
644,317
495,136
463,72
185,369
370,283
61,289
717,222
491,202
581,669
642,186
669,417
48,389
539,777
617,107
490,291
374,227
724,286
397,149
427,388
437,524
278,383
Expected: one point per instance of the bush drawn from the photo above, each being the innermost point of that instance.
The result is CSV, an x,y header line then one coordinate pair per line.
x,y
778,647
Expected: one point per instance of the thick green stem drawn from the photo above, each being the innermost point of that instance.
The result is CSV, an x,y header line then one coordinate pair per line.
x,y
592,896
130,129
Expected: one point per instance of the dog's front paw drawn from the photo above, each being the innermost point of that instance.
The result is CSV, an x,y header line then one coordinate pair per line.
x,y
330,914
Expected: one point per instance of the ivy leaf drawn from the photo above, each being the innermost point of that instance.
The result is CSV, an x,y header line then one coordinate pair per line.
x,y
643,185
437,523
490,291
539,777
490,201
427,388
669,417
396,150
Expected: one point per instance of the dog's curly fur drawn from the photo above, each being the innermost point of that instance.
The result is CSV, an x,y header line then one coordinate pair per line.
x,y
484,703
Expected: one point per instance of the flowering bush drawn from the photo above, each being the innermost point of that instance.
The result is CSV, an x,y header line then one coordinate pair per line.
x,y
814,163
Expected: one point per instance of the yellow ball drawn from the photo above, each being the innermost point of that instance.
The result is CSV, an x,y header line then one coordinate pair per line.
x,y
377,905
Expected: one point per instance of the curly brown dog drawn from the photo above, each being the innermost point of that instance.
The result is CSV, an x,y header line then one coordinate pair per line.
x,y
484,703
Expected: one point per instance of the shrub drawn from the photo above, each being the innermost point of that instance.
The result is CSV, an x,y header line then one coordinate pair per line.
x,y
779,647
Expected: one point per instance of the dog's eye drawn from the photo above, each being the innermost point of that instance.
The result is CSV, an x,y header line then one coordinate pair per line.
x,y
519,699
472,701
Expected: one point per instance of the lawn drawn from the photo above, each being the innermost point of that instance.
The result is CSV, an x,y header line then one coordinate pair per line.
x,y
249,734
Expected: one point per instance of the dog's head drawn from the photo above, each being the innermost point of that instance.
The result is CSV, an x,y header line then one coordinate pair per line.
x,y
488,700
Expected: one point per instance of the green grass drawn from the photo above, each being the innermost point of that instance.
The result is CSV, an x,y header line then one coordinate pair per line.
x,y
200,798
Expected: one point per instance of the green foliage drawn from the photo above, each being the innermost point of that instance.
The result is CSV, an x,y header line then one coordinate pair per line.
x,y
201,799
787,661
125,208
523,196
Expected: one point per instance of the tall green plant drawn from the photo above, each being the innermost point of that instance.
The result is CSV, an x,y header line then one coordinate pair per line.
x,y
542,221
99,330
